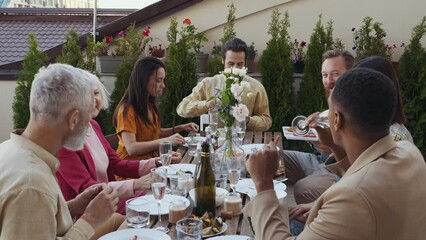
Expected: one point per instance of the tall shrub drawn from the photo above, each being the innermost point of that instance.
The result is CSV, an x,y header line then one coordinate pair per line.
x,y
71,52
369,40
311,96
180,73
412,75
32,62
215,65
277,71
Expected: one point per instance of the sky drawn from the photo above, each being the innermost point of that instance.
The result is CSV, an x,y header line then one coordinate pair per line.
x,y
134,4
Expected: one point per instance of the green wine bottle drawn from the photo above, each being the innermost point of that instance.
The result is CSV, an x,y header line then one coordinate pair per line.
x,y
205,189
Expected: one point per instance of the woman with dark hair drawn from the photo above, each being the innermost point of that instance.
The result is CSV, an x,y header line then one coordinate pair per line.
x,y
136,118
383,65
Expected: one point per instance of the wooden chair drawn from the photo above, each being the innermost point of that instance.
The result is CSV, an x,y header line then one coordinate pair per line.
x,y
113,140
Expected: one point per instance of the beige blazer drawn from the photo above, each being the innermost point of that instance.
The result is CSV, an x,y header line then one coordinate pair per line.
x,y
382,196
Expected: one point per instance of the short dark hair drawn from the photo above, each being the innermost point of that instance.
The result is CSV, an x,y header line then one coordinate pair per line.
x,y
347,56
368,98
236,45
383,65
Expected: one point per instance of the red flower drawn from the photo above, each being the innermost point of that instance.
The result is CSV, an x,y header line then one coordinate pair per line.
x,y
303,44
108,39
121,33
146,32
187,21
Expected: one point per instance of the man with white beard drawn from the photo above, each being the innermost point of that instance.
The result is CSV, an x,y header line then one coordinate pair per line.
x,y
31,202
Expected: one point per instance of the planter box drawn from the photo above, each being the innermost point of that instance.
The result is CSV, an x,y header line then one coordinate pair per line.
x,y
108,64
201,59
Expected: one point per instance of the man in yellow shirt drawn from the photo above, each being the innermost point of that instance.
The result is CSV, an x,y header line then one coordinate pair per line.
x,y
234,53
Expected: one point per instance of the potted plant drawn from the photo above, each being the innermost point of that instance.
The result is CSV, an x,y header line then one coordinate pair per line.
x,y
110,50
369,40
196,40
299,54
251,54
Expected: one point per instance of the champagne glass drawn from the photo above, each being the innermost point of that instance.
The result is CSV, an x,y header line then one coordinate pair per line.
x,y
165,150
234,172
240,129
301,128
214,120
158,187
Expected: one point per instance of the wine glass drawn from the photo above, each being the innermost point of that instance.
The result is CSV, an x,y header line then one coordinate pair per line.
x,y
158,187
240,129
165,150
214,120
301,128
234,172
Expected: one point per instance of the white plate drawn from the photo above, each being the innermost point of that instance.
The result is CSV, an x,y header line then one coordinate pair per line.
x,y
189,139
142,233
230,237
224,227
251,148
153,207
220,195
173,168
311,136
246,186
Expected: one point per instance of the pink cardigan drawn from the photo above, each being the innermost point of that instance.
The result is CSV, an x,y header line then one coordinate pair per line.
x,y
77,170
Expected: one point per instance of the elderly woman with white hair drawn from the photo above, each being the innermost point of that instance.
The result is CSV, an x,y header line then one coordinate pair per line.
x,y
97,162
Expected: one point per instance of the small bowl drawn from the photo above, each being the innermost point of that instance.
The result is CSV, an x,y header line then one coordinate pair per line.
x,y
220,195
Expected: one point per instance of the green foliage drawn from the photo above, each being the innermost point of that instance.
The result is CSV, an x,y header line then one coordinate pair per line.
x,y
215,65
131,42
32,63
71,52
277,71
89,55
412,75
228,28
180,74
369,39
251,51
311,94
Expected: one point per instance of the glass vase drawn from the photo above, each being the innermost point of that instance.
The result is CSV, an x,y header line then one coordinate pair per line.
x,y
229,155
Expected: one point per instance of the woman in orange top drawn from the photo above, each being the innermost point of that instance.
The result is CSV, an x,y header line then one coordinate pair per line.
x,y
136,117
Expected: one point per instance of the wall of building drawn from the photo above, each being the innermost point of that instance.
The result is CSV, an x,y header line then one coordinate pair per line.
x,y
7,94
253,16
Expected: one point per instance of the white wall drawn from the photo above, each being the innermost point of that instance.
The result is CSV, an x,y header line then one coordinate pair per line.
x,y
253,16
7,93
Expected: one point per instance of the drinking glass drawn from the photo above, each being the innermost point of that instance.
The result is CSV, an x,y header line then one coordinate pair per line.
x,y
165,151
158,187
234,172
189,229
137,213
214,120
301,128
185,183
177,211
240,129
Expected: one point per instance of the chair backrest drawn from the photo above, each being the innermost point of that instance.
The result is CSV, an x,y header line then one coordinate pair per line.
x,y
204,119
113,140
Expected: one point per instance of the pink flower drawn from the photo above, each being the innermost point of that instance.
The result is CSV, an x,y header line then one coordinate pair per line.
x,y
236,90
146,32
121,34
240,112
108,39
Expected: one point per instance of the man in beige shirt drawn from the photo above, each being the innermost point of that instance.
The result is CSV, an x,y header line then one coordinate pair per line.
x,y
234,54
381,195
31,202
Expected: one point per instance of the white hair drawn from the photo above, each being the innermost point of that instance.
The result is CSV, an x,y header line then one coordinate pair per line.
x,y
102,91
57,89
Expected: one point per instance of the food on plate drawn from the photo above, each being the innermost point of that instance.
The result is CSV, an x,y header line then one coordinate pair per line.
x,y
211,225
180,171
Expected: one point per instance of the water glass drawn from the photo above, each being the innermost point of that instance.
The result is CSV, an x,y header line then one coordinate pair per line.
x,y
185,183
214,120
192,148
165,150
174,186
137,213
221,179
189,229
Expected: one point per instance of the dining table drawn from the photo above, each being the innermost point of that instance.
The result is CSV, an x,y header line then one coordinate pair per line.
x,y
238,224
